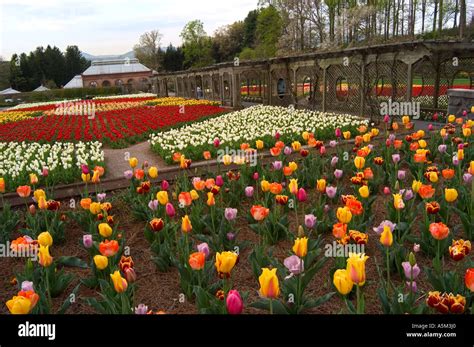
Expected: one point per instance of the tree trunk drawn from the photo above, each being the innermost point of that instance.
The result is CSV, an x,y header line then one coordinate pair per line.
x,y
440,12
435,12
456,10
462,19
423,13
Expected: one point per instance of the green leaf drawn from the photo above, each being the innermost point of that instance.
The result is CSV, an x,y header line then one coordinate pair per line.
x,y
72,262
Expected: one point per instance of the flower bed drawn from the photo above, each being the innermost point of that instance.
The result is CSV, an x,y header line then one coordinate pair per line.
x,y
248,125
61,160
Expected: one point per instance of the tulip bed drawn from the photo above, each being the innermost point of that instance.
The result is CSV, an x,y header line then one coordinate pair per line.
x,y
248,125
382,226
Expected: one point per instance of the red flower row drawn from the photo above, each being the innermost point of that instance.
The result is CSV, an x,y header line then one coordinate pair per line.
x,y
114,125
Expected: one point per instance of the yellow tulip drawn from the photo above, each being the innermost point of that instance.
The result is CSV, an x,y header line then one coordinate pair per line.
x,y
442,132
210,199
259,144
45,239
194,194
347,135
386,238
451,118
433,177
450,194
296,145
321,185
95,208
39,193
422,143
460,154
300,248
105,230
293,186
374,131
342,281
367,137
42,203
225,262
19,305
359,162
186,225
162,197
293,166
227,159
45,259
364,192
466,132
471,167
398,202
356,267
405,120
33,179
269,286
120,283
416,186
95,176
133,162
305,135
344,215
86,177
101,262
265,185
153,172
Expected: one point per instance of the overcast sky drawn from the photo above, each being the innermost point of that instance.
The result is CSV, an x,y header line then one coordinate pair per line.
x,y
106,26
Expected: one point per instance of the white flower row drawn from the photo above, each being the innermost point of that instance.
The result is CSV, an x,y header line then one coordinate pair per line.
x,y
20,159
45,103
252,124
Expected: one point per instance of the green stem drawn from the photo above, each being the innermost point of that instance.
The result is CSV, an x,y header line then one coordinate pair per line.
x,y
388,271
358,298
271,306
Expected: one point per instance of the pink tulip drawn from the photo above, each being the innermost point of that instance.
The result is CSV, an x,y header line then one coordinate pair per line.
x,y
217,142
170,211
386,190
301,195
234,302
219,181
249,191
338,132
164,185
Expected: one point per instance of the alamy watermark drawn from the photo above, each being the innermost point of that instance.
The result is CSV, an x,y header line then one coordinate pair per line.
x,y
237,156
334,249
400,108
19,251
76,108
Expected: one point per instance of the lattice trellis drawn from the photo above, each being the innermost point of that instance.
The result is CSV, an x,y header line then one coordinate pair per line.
x,y
455,73
311,75
343,88
423,82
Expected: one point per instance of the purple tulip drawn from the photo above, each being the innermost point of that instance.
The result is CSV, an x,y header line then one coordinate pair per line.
x,y
464,113
310,220
461,146
170,211
294,264
331,191
338,132
467,177
27,286
249,191
442,148
230,236
338,173
332,144
327,208
219,181
414,288
277,165
416,247
388,223
128,174
141,309
87,241
408,195
410,272
145,163
396,158
401,174
371,146
301,195
101,197
153,205
234,302
334,161
164,185
287,150
230,213
204,248
392,137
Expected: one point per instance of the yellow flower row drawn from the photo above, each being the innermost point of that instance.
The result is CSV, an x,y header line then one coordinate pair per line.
x,y
14,116
178,101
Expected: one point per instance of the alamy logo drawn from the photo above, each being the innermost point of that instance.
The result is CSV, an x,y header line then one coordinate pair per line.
x,y
78,108
400,108
37,330
21,251
237,156
333,250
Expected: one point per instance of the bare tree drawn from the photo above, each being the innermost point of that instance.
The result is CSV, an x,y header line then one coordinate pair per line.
x,y
148,49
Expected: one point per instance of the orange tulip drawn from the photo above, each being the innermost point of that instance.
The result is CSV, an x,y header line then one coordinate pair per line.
x,y
355,206
426,191
276,188
447,174
259,212
186,226
210,199
469,279
108,248
199,184
197,260
185,199
275,151
206,155
439,231
339,230
24,191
